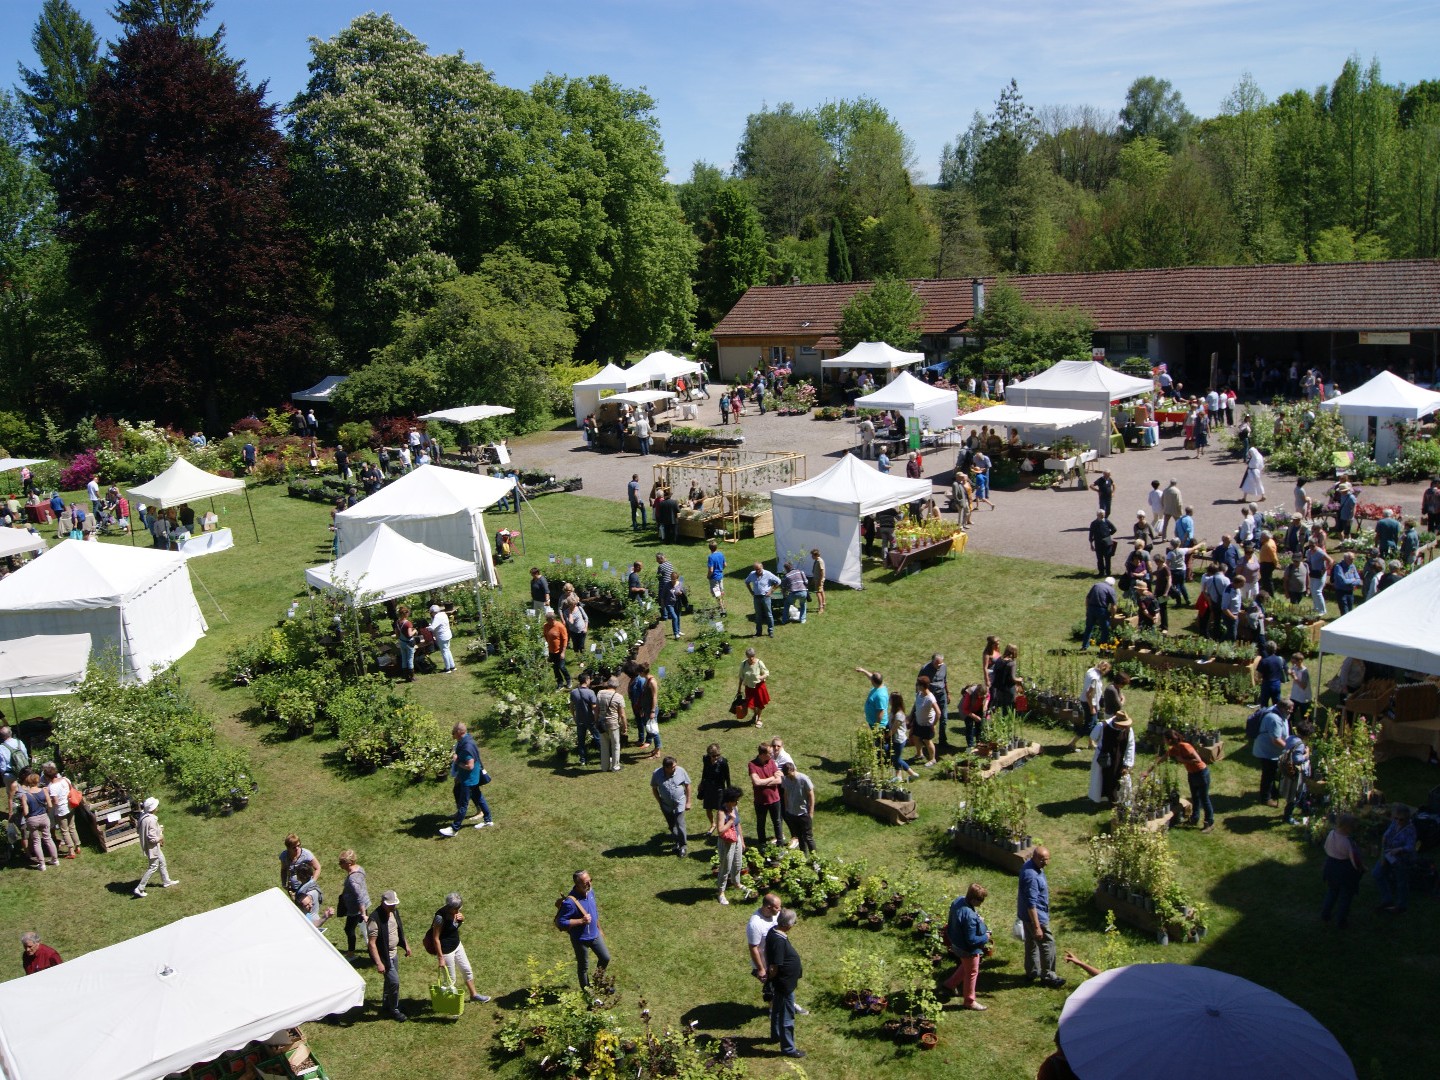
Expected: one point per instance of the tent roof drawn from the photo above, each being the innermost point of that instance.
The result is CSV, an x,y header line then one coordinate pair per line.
x,y
43,663
430,491
9,463
161,1002
1028,416
611,377
850,486
1399,627
322,391
1386,395
385,565
16,541
642,397
465,414
873,354
1085,376
905,391
76,574
182,483
662,366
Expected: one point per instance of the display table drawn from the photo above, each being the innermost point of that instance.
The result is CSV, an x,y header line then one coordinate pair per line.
x,y
908,561
1414,738
207,543
39,513
885,810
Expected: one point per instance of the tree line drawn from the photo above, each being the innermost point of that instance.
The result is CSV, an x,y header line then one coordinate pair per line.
x,y
173,244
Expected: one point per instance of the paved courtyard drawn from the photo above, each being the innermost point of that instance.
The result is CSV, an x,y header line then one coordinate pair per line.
x,y
1048,525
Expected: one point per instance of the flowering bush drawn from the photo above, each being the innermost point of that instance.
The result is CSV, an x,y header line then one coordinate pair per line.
x,y
77,474
1375,511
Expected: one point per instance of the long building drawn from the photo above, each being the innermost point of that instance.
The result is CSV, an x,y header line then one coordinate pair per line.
x,y
1339,317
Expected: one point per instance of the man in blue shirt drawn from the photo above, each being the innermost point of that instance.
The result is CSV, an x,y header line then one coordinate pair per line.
x,y
715,574
467,772
578,913
877,702
1032,908
1271,672
1185,528
883,462
762,583
1345,579
1269,747
1100,604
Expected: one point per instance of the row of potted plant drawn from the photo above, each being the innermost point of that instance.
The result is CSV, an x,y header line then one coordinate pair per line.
x,y
994,811
1136,866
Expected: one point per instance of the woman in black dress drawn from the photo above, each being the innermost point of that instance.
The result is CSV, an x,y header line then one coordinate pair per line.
x,y
1002,679
714,779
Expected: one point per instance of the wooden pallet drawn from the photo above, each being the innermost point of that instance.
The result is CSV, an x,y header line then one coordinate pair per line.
x,y
1010,861
107,812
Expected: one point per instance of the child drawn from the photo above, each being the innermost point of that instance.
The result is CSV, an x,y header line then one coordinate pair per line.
x,y
1148,607
1125,792
1343,870
1295,771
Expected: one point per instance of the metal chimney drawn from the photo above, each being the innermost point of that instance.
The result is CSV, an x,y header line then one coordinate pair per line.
x,y
977,295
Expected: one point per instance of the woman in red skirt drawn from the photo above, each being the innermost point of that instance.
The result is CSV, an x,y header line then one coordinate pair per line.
x,y
753,674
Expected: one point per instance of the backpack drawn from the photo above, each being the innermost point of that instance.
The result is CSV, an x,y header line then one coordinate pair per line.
x,y
19,756
1253,722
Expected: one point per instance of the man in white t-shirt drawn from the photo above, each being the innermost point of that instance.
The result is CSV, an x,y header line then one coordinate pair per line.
x,y
1156,499
760,924
1090,690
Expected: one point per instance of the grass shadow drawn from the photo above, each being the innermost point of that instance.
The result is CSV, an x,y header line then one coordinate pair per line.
x,y
1247,824
424,826
649,849
1081,804
697,895
830,765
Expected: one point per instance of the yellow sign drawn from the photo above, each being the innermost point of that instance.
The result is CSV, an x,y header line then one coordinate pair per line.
x,y
1399,337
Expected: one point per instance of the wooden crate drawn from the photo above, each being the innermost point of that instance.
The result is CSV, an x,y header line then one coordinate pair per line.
x,y
1211,754
1010,861
108,813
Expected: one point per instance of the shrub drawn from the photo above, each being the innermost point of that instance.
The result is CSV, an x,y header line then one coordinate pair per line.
x,y
1419,459
77,474
212,776
18,435
357,435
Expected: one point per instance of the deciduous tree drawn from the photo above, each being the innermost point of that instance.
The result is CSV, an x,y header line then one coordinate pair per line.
x,y
1155,109
887,311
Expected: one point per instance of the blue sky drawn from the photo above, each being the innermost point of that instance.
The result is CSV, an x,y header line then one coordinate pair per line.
x,y
931,63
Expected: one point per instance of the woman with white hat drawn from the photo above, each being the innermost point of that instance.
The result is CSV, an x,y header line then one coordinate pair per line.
x,y
152,840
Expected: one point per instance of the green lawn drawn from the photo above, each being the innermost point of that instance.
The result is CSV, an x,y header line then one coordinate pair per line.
x,y
672,944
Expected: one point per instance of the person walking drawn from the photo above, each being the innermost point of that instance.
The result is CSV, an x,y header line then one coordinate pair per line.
x,y
714,782
1114,755
637,504
1252,485
1104,487
35,805
406,637
152,842
62,816
1102,542
670,784
1032,908
642,433
762,583
731,842
557,640
936,672
578,913
926,718
784,970
968,939
440,627
1269,747
610,723
385,934
1173,504
354,898
753,685
582,713
765,785
665,592
715,574
469,776
1343,870
442,941
577,622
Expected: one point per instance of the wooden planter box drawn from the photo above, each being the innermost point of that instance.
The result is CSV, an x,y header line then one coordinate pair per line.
x,y
761,524
995,766
1213,753
901,561
1165,662
891,813
1138,917
1012,862
1160,824
108,814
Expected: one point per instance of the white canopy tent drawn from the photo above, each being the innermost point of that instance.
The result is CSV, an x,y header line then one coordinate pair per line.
x,y
643,397
1028,418
183,483
20,541
185,993
431,505
662,367
321,392
1380,403
875,355
43,665
586,393
910,396
135,600
10,463
1399,627
385,565
467,414
824,512
1080,384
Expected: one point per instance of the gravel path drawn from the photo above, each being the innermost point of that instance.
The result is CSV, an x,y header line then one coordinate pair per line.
x,y
1046,525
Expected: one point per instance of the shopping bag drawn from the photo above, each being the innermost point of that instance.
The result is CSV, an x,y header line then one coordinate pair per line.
x,y
737,707
447,999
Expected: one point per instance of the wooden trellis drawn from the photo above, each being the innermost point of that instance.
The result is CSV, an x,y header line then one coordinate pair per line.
x,y
727,474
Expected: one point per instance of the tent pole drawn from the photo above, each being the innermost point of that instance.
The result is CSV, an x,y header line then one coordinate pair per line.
x,y
14,707
130,523
251,508
208,593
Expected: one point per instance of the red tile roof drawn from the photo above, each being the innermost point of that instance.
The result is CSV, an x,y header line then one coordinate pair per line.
x,y
1402,295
